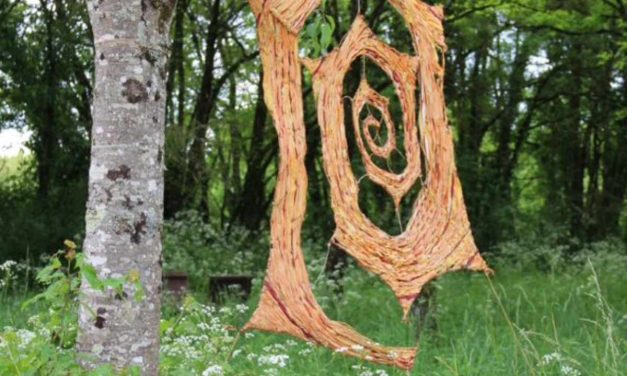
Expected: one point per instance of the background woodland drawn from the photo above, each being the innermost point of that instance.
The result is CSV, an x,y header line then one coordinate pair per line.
x,y
536,90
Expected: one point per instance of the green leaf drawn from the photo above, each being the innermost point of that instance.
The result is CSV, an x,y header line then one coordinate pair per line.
x,y
116,284
312,31
326,36
331,22
140,294
89,272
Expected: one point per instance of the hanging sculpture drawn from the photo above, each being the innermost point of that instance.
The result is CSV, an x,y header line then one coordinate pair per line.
x,y
437,238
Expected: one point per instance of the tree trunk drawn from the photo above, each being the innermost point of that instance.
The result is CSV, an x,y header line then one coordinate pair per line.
x,y
614,172
124,212
48,131
576,141
197,157
176,68
250,210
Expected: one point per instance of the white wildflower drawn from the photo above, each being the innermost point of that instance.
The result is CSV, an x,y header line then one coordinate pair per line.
x,y
213,370
279,360
548,359
305,351
7,265
569,371
26,337
226,311
204,326
341,349
241,308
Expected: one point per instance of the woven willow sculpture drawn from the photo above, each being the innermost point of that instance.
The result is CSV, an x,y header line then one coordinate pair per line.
x,y
437,238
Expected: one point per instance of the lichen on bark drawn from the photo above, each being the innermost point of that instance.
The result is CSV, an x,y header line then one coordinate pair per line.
x,y
125,206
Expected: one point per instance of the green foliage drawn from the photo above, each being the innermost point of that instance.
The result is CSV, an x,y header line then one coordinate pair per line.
x,y
200,338
535,89
567,321
317,36
200,250
46,59
10,167
45,343
551,253
29,226
530,322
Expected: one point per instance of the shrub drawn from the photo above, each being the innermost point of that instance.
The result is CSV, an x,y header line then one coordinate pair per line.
x,y
199,249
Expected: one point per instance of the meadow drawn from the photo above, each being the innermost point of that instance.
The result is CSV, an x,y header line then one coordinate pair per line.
x,y
538,316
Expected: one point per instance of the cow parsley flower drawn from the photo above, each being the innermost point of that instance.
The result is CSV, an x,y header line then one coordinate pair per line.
x,y
252,356
26,337
213,370
7,265
547,359
305,351
569,371
241,308
279,360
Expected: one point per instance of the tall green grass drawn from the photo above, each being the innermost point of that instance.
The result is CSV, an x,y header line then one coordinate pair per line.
x,y
518,323
569,320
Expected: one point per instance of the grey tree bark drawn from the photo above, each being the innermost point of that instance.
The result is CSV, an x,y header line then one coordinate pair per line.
x,y
125,207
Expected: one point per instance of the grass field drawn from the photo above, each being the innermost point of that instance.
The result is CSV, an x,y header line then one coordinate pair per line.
x,y
518,324
567,322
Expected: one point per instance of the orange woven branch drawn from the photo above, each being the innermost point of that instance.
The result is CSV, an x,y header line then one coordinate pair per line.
x,y
366,96
437,238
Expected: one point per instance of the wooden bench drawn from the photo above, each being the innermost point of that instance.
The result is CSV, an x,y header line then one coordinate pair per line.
x,y
176,283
